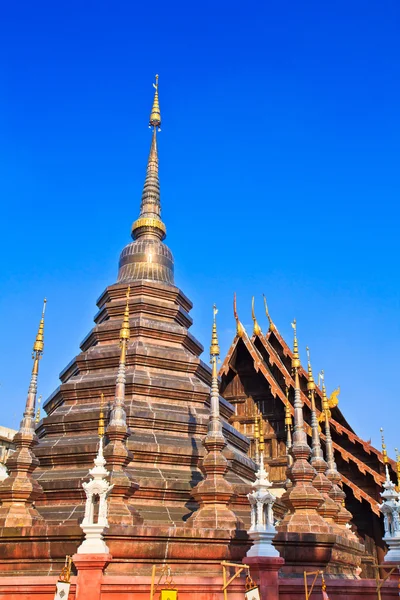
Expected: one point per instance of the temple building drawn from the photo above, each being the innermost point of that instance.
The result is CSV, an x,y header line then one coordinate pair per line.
x,y
178,446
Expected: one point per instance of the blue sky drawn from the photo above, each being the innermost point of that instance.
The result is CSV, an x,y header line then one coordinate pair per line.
x,y
279,157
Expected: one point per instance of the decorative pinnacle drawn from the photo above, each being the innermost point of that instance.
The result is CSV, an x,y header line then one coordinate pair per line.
x,y
256,327
37,420
398,467
155,115
214,348
125,333
384,451
262,443
239,326
271,324
101,428
296,357
311,383
325,401
39,341
288,414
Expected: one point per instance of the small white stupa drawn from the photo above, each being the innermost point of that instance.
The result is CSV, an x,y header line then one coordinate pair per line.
x,y
262,530
390,508
96,490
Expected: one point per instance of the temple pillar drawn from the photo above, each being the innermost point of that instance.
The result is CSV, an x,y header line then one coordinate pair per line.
x,y
264,570
90,569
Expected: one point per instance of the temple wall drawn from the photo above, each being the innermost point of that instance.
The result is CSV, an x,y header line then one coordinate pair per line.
x,y
193,588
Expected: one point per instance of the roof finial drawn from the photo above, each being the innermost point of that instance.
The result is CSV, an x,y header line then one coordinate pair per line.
x,y
101,417
214,348
296,357
149,221
262,441
256,435
39,341
271,324
385,455
155,115
398,468
311,383
125,333
239,326
37,420
256,327
28,421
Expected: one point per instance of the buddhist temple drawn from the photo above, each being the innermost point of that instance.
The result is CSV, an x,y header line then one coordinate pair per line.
x,y
173,447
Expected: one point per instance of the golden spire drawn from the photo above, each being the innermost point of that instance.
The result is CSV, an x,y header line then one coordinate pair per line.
x,y
384,451
311,383
288,414
239,326
256,433
256,327
101,417
39,341
398,468
296,357
149,221
155,115
261,433
271,324
125,333
214,348
37,420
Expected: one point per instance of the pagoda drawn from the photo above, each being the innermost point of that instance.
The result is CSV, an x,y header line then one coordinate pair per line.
x,y
166,502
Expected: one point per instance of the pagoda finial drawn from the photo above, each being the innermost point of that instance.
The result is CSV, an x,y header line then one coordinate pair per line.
x,y
125,333
385,455
149,222
214,348
288,423
37,419
256,435
256,327
118,414
398,468
28,421
296,357
101,417
239,326
262,440
215,425
155,115
271,324
311,383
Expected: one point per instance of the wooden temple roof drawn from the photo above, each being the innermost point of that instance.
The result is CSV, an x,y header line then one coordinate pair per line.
x,y
264,353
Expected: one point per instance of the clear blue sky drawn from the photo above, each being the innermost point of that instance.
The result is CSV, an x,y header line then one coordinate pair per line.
x,y
279,161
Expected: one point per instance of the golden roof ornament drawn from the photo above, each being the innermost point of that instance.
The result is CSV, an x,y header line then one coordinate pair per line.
x,y
125,333
239,326
37,420
288,414
262,441
256,327
155,115
384,451
101,429
310,383
271,324
214,348
38,346
398,468
295,357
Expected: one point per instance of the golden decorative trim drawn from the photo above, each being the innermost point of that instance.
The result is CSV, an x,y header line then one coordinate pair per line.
x,y
149,222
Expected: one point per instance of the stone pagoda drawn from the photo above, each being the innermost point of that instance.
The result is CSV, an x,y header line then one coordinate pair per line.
x,y
142,358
